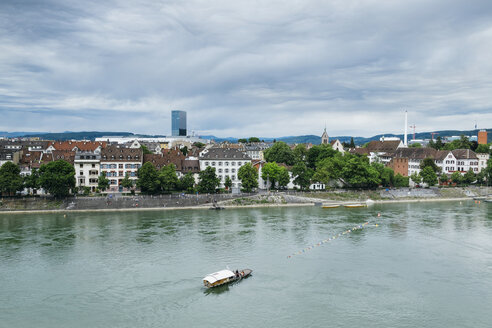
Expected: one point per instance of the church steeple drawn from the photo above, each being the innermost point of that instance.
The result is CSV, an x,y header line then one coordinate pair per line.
x,y
324,138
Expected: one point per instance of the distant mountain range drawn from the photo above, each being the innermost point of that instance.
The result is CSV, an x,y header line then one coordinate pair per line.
x,y
91,135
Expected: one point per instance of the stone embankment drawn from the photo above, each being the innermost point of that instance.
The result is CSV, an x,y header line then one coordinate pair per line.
x,y
289,198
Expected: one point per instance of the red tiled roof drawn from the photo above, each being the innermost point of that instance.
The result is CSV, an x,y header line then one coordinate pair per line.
x,y
81,145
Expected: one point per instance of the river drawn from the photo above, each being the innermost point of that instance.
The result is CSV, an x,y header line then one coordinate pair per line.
x,y
423,265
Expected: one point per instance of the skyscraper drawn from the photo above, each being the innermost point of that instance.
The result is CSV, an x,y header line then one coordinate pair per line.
x,y
178,123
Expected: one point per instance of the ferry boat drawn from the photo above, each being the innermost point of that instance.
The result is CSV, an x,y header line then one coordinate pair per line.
x,y
224,277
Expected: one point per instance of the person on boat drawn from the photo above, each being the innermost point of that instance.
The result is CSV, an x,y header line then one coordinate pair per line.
x,y
237,274
242,273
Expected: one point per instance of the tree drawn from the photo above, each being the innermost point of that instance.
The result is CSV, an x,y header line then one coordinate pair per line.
x,y
330,168
444,178
102,182
488,171
300,153
208,180
416,178
185,150
416,145
283,177
253,139
228,183
318,153
248,176
482,149
352,143
429,176
187,182
199,145
457,178
57,178
401,181
145,149
280,152
270,173
10,179
469,177
303,175
429,162
148,179
126,182
242,140
167,178
31,181
359,174
481,177
387,177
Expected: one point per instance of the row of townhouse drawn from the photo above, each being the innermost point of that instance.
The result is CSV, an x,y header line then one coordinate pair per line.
x,y
407,161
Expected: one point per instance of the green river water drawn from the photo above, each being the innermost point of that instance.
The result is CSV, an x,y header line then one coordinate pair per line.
x,y
425,265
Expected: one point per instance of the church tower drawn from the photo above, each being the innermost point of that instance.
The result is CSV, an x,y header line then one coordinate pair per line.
x,y
324,138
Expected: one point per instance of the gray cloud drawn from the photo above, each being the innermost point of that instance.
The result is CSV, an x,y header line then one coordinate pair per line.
x,y
242,68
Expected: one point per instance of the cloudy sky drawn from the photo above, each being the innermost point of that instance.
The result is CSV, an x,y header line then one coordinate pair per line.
x,y
245,68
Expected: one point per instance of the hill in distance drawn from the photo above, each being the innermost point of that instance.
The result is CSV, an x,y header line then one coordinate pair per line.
x,y
314,139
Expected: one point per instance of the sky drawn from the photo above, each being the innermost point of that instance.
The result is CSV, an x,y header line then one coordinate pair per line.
x,y
245,68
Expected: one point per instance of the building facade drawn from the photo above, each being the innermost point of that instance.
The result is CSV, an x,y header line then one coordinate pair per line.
x,y
116,162
226,161
178,123
87,168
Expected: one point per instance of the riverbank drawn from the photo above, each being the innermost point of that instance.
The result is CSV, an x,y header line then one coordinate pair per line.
x,y
225,207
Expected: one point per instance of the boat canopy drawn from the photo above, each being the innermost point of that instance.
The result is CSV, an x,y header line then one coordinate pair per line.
x,y
219,275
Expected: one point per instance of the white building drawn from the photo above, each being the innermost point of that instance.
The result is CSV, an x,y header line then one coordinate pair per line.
x,y
226,162
466,159
483,158
87,168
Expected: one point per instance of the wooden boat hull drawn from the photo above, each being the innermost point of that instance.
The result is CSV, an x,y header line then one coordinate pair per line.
x,y
331,206
356,206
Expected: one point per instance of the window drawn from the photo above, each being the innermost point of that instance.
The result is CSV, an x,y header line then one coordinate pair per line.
x,y
233,163
226,163
226,170
81,173
220,163
239,163
81,165
213,163
233,170
220,170
120,173
207,163
120,166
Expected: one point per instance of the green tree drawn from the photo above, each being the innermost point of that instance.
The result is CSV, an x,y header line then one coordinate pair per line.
x,y
148,179
401,181
330,168
429,162
57,178
416,178
488,171
248,176
444,178
199,145
168,179
416,145
457,178
253,139
469,177
283,177
10,179
208,180
185,150
228,183
352,143
357,173
482,149
31,181
187,182
387,177
145,150
303,175
318,153
242,140
280,152
481,177
102,182
270,173
127,182
300,153
429,176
